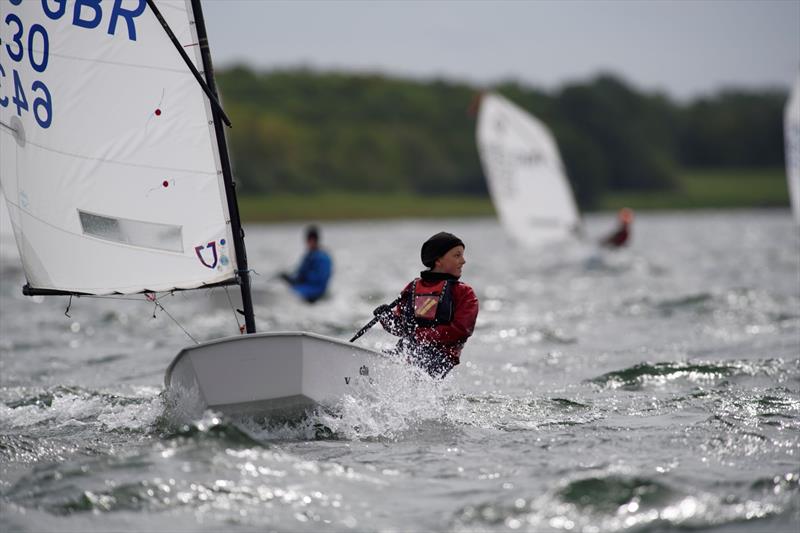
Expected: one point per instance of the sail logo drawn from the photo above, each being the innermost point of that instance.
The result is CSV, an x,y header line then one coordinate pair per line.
x,y
213,255
208,249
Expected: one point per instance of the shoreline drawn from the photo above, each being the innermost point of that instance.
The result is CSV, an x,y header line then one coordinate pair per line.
x,y
699,189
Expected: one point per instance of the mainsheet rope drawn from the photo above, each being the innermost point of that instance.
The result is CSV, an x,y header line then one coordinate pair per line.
x,y
149,297
233,309
153,298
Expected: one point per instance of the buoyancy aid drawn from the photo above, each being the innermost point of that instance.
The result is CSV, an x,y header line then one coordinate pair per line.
x,y
431,305
434,339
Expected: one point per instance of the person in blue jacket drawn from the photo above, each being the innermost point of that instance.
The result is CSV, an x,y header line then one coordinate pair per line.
x,y
310,280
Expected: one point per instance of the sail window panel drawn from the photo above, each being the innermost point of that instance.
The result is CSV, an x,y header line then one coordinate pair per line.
x,y
132,232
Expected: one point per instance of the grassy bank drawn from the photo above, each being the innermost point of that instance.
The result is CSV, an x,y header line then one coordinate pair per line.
x,y
698,189
724,188
353,206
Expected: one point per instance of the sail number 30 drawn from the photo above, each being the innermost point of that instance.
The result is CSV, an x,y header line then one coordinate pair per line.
x,y
35,39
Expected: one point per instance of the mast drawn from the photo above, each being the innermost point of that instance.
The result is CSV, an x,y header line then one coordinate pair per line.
x,y
230,187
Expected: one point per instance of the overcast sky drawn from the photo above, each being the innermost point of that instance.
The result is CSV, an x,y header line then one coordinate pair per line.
x,y
683,47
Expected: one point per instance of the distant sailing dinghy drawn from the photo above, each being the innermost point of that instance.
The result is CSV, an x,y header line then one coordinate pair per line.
x,y
791,125
524,172
115,169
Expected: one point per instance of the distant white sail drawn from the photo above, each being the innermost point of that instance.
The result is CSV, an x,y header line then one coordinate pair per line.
x,y
108,155
791,125
526,177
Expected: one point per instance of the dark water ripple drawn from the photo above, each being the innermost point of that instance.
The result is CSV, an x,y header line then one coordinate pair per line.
x,y
643,375
624,502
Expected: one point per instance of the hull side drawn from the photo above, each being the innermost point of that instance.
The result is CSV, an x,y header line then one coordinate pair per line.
x,y
269,373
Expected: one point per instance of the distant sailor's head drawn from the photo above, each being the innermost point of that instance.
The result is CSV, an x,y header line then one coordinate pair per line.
x,y
312,236
443,252
625,215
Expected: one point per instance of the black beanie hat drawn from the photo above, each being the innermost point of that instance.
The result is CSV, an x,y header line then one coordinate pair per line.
x,y
437,246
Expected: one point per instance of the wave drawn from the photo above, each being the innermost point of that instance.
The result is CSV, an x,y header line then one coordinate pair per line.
x,y
403,410
403,403
700,372
745,303
620,501
609,493
49,411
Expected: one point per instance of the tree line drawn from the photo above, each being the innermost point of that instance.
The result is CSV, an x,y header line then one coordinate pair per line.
x,y
301,131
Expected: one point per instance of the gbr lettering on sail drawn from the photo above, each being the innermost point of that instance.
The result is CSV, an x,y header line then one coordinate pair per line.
x,y
25,47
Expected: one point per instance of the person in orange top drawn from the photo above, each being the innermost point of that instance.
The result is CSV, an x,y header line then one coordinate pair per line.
x,y
436,313
622,234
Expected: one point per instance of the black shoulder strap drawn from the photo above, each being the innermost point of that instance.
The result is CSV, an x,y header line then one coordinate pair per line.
x,y
446,308
408,308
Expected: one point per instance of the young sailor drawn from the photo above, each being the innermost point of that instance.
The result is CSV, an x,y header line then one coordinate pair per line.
x,y
620,236
310,280
437,312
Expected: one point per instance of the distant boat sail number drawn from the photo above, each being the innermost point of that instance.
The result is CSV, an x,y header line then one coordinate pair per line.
x,y
508,161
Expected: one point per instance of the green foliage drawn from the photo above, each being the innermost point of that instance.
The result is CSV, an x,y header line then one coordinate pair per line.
x,y
734,129
301,132
712,188
348,206
624,130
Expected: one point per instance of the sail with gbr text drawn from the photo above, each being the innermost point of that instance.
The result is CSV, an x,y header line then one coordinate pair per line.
x,y
109,158
525,175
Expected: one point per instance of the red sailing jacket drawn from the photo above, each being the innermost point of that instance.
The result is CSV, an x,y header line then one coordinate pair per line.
x,y
619,237
446,339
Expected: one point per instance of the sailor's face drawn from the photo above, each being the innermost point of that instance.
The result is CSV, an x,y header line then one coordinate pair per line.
x,y
452,262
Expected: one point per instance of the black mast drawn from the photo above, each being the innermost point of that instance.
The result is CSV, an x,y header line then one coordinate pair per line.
x,y
230,187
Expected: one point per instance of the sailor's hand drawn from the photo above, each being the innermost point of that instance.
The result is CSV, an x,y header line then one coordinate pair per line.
x,y
382,310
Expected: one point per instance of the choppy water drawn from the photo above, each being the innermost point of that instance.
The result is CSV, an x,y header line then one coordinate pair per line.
x,y
654,389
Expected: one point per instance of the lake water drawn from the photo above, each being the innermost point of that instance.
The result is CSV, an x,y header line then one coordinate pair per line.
x,y
652,389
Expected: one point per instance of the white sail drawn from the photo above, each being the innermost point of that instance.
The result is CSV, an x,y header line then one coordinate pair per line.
x,y
8,249
791,125
108,155
6,228
524,172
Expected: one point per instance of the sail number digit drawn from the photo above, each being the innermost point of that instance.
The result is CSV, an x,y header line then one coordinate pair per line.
x,y
43,103
3,99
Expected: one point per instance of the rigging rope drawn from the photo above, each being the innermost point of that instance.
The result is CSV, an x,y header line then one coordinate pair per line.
x,y
150,297
233,308
153,297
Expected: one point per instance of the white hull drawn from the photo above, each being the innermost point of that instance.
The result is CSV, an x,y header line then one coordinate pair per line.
x,y
269,374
